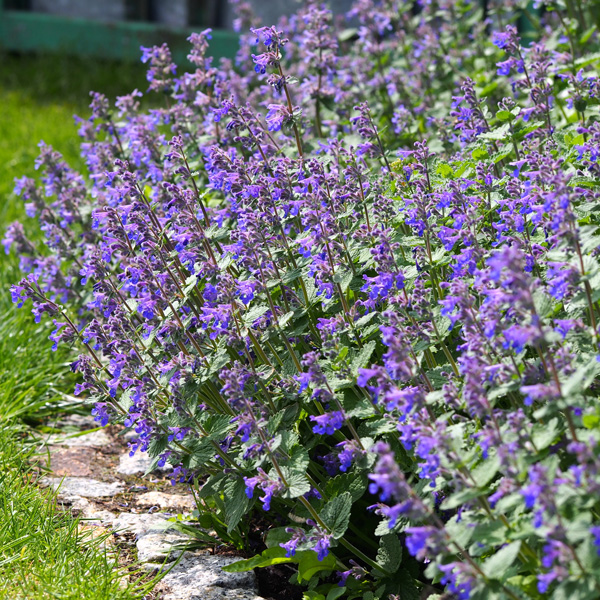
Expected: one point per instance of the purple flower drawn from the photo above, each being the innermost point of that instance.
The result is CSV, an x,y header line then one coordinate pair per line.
x,y
269,487
277,116
161,71
517,337
417,539
328,423
364,375
250,485
595,531
322,545
298,537
210,293
101,413
504,67
544,581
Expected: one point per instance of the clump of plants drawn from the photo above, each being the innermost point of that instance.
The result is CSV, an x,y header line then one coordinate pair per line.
x,y
351,282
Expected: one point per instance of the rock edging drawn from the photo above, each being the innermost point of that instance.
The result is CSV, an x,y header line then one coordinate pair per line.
x,y
135,514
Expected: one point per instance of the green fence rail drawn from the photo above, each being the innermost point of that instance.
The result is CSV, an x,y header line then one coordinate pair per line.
x,y
25,31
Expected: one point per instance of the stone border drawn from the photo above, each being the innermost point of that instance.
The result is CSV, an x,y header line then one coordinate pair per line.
x,y
85,468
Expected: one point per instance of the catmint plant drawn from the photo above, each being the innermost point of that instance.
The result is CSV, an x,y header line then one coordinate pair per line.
x,y
349,284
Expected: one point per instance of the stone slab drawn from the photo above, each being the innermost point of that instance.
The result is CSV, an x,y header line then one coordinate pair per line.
x,y
75,421
140,523
82,486
87,510
137,464
95,439
186,592
199,576
72,462
154,537
166,501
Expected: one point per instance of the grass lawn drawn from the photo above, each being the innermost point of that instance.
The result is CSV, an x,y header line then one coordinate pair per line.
x,y
43,552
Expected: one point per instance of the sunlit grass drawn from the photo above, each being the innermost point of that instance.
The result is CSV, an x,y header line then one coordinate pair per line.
x,y
44,552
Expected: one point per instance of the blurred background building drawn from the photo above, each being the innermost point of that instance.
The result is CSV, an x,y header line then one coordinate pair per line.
x,y
115,29
171,13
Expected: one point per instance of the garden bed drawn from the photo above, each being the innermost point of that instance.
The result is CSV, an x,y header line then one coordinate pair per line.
x,y
348,288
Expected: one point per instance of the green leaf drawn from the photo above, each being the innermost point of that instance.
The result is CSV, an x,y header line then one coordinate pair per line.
x,y
297,483
353,483
276,536
587,34
336,592
519,135
480,153
582,378
361,360
486,471
155,448
591,421
344,279
236,502
309,564
336,514
218,361
460,498
347,34
445,170
217,426
299,459
502,154
291,275
342,355
202,452
365,319
460,530
254,313
312,595
526,583
543,303
500,133
389,555
125,400
225,260
375,427
406,583
497,566
212,486
586,60
271,556
577,588
284,419
493,533
545,434
437,376
489,88
504,115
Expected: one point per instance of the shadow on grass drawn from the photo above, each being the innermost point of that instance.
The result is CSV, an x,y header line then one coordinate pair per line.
x,y
48,79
